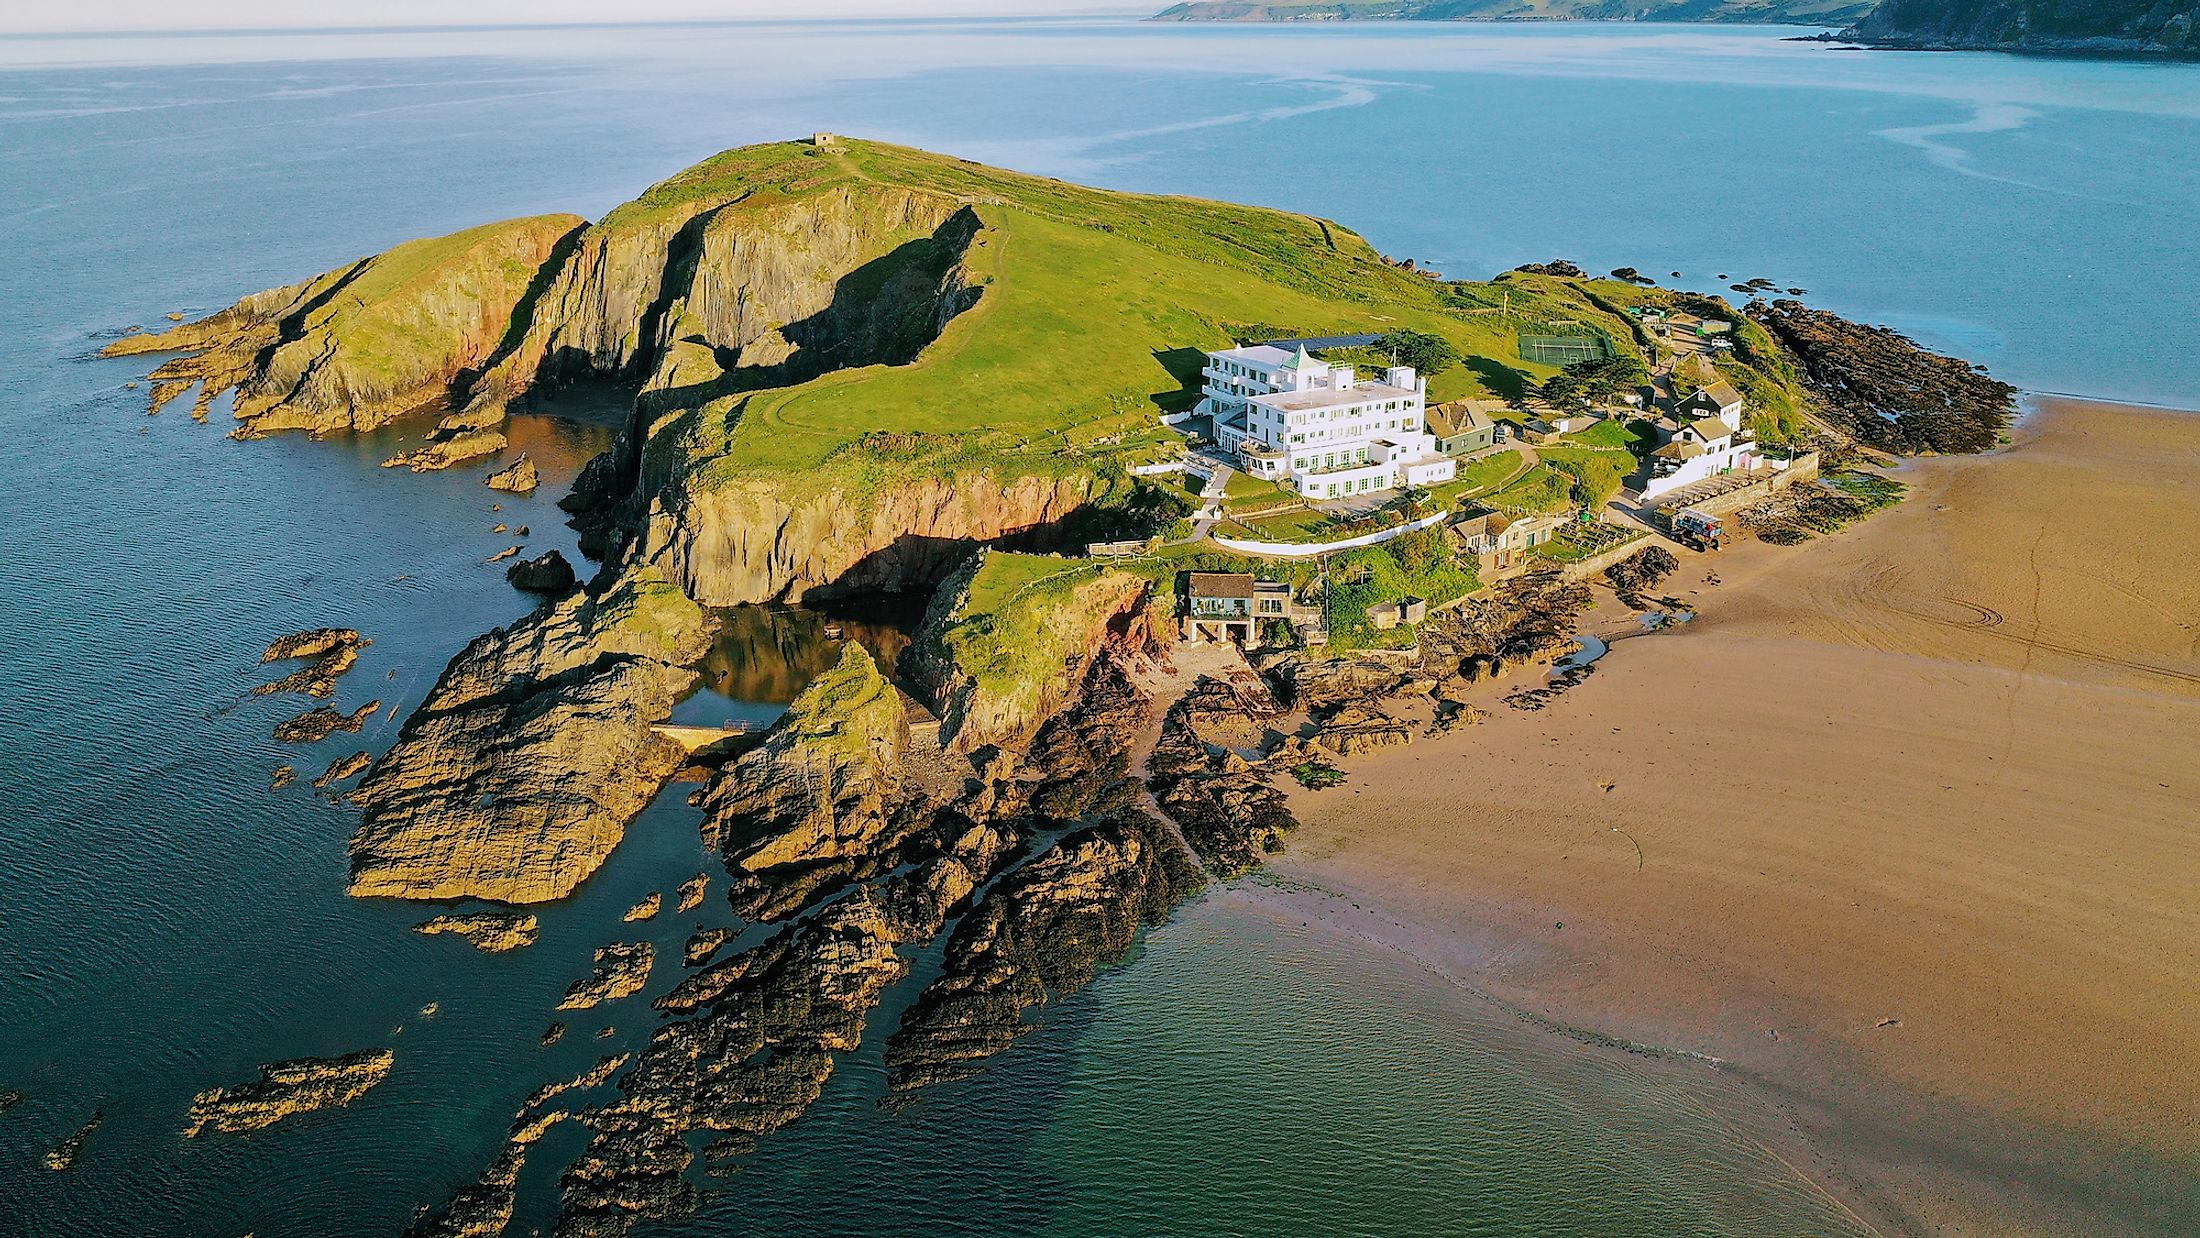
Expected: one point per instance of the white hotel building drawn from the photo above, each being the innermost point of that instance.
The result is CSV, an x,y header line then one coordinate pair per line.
x,y
1288,416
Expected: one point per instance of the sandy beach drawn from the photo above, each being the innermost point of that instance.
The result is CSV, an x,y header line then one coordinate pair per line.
x,y
1902,829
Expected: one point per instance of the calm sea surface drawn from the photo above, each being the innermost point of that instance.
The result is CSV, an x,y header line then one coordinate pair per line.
x,y
166,925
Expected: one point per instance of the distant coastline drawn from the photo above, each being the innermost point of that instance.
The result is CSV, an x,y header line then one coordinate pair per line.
x,y
2112,31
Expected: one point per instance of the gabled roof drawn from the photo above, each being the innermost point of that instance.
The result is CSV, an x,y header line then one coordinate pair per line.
x,y
1458,417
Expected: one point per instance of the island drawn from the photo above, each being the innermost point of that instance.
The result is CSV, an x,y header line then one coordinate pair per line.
x,y
1207,504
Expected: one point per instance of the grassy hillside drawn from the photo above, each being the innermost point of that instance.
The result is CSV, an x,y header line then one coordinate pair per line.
x,y
1091,312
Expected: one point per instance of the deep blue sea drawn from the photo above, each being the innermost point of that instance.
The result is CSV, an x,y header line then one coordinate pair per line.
x,y
166,924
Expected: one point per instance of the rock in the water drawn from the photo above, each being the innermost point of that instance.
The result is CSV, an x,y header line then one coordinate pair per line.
x,y
449,444
342,768
516,777
1044,930
553,1033
505,553
622,968
285,1088
692,890
520,477
62,1156
9,1099
646,909
705,943
329,652
547,572
283,776
492,932
315,725
312,643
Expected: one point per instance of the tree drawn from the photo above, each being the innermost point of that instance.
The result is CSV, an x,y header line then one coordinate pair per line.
x,y
1430,354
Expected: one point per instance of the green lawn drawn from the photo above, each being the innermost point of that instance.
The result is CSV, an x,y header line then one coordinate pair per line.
x,y
1611,433
1544,489
1600,471
1476,476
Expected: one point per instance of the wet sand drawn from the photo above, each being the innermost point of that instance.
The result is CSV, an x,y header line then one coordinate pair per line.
x,y
1905,829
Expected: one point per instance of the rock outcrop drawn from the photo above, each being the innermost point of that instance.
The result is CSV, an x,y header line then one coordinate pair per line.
x,y
622,969
285,1088
757,540
1878,386
491,932
548,572
315,725
1007,639
518,774
62,1156
691,892
341,768
646,909
816,803
360,346
519,477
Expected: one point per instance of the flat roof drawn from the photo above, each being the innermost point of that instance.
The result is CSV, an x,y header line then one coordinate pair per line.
x,y
1330,397
1261,354
1221,584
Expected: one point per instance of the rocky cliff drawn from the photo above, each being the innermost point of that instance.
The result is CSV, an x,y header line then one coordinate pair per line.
x,y
360,346
2118,27
758,540
1007,639
518,774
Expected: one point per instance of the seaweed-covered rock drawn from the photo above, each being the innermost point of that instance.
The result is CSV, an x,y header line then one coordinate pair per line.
x,y
1044,930
1641,572
1877,385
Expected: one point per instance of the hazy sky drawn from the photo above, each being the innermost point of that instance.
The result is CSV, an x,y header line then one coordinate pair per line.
x,y
28,16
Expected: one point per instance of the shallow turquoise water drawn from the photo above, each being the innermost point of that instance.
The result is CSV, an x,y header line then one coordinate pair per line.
x,y
167,925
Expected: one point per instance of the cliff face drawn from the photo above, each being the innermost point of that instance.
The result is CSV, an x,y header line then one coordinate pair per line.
x,y
360,346
517,776
1008,639
2134,27
757,541
760,283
